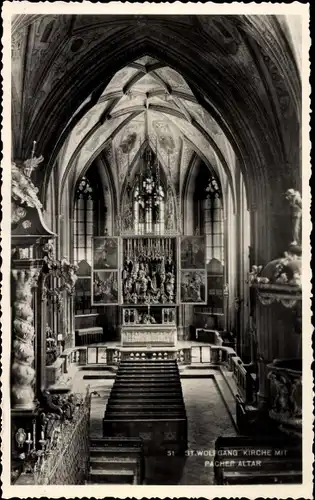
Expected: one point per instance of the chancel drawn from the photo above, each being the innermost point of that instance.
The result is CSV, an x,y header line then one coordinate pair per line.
x,y
156,250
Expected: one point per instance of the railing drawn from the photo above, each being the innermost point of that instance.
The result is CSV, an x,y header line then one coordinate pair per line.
x,y
69,444
240,375
212,354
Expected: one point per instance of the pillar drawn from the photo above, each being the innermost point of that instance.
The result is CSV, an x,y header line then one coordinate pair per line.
x,y
23,373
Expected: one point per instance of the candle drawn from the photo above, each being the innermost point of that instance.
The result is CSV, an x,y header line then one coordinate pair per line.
x,y
29,436
42,435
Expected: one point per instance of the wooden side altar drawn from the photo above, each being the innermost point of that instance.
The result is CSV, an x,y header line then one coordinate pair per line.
x,y
148,335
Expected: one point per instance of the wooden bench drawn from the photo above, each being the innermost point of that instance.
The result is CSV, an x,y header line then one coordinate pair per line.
x,y
87,336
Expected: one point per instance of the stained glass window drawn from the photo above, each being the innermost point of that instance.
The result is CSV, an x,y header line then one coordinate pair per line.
x,y
213,222
209,220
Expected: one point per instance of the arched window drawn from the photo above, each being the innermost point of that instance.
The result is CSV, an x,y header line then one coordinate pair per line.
x,y
213,222
209,221
83,222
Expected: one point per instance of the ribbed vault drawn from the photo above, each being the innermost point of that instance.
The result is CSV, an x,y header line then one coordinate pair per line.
x,y
238,68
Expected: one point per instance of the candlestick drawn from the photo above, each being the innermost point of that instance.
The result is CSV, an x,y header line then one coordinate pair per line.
x,y
34,434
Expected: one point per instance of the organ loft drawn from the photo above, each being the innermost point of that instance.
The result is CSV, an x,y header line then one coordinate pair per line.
x,y
156,237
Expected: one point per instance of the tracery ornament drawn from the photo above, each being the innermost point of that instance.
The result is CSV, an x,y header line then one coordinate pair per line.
x,y
23,372
24,193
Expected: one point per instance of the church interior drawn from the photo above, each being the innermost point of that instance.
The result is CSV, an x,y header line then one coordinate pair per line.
x,y
156,249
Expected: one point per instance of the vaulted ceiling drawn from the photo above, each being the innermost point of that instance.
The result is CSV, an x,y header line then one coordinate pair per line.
x,y
224,87
147,101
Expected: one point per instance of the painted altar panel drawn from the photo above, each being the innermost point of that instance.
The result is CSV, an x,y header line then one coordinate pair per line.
x,y
193,287
193,274
149,274
105,288
105,253
193,252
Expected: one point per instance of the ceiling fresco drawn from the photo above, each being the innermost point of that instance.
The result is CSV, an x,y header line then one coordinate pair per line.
x,y
138,104
212,83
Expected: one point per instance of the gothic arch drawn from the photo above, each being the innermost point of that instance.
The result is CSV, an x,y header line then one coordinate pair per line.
x,y
248,128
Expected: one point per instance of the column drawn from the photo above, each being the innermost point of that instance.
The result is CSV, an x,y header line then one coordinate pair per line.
x,y
180,330
23,373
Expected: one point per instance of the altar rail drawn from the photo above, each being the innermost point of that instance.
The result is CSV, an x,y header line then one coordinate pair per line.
x,y
215,355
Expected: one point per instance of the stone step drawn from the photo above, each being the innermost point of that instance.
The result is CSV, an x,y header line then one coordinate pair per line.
x,y
147,371
135,404
148,400
133,442
143,410
154,368
150,390
113,463
114,451
147,383
109,415
146,378
111,476
148,364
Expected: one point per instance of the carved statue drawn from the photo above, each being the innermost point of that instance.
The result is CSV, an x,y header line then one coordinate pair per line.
x,y
295,201
24,192
169,286
196,285
50,404
147,319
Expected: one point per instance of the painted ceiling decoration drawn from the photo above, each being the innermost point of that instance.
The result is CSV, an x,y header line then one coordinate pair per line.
x,y
212,85
146,101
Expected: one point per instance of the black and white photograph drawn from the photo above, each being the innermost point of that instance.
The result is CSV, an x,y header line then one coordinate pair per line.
x,y
157,326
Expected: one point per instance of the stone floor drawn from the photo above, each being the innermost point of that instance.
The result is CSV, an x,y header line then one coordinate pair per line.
x,y
207,417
